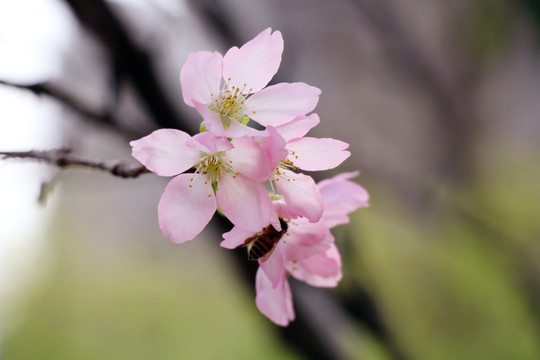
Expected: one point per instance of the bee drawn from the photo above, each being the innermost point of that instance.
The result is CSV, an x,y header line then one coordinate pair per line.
x,y
261,245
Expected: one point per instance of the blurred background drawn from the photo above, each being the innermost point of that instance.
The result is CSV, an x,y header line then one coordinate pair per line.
x,y
438,99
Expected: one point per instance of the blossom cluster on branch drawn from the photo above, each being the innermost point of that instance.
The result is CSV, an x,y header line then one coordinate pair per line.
x,y
253,176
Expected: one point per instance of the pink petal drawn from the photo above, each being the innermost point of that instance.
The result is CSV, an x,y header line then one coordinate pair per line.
x,y
249,159
274,266
236,237
236,129
245,203
276,304
298,127
200,77
214,124
321,270
305,239
313,154
212,120
209,143
284,210
279,104
341,197
273,145
186,207
165,152
300,194
338,179
252,66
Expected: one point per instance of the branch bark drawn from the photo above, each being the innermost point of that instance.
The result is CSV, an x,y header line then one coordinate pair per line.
x,y
63,159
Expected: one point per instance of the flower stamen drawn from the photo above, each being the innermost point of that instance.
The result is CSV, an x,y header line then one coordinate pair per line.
x,y
213,166
228,103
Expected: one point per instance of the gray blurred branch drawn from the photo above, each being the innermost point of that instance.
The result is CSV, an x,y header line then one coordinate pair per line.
x,y
69,101
63,159
217,17
450,97
134,62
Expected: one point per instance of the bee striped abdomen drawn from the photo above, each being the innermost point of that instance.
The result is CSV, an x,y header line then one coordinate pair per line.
x,y
261,245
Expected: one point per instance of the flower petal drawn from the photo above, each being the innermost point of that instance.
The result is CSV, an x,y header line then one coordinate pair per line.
x,y
313,154
245,203
236,129
251,67
212,120
249,159
300,194
200,77
165,152
305,239
322,270
274,303
274,266
298,127
236,237
341,197
273,145
209,143
280,103
186,207
284,210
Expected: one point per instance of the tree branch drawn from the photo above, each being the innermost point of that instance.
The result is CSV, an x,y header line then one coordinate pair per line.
x,y
63,159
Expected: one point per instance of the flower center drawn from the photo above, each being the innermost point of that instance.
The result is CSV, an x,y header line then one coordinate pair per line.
x,y
279,173
285,164
213,165
229,104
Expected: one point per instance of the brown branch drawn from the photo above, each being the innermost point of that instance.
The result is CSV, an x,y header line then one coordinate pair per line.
x,y
63,159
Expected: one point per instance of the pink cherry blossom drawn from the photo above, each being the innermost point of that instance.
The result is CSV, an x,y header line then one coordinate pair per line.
x,y
303,239
227,173
321,270
233,86
228,164
307,251
299,191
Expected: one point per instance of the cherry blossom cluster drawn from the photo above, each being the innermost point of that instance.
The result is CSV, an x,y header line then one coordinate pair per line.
x,y
253,176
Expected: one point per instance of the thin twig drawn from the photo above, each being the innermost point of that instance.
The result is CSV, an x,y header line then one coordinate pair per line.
x,y
63,159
